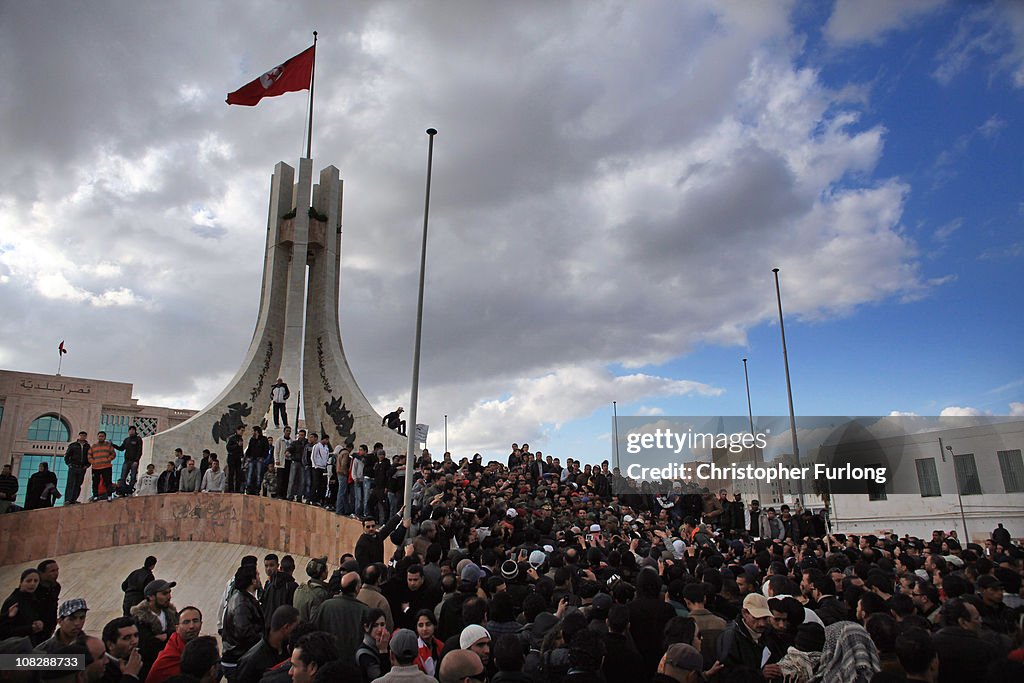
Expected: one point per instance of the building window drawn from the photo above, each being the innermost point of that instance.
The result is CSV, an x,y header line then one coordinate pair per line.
x,y
1012,467
876,491
49,428
928,478
967,474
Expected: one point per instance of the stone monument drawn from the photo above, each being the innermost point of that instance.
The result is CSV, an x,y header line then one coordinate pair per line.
x,y
297,336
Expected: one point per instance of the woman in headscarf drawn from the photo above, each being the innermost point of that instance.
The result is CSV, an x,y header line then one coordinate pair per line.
x,y
849,655
19,615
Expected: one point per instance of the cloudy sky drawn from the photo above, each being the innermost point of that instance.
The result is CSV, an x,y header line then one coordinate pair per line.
x,y
613,183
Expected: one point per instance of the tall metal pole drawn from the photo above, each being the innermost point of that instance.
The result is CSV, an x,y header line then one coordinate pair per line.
x,y
789,386
309,137
410,455
60,410
959,495
615,431
750,416
446,433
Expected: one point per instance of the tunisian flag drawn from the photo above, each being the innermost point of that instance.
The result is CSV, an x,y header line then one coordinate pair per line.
x,y
293,75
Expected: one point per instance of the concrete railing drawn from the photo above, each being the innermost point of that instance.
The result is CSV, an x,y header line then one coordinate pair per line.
x,y
217,517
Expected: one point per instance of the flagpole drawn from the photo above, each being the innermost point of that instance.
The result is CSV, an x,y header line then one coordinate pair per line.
x,y
411,449
312,79
60,408
750,416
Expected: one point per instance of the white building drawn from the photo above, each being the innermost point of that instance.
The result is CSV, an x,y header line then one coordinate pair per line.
x,y
968,479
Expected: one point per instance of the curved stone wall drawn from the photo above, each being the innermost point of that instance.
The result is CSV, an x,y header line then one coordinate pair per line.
x,y
279,525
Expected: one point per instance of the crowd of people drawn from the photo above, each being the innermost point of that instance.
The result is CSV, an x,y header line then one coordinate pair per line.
x,y
534,571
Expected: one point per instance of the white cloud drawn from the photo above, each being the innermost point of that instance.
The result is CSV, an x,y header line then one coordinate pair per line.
x,y
649,411
860,21
961,411
900,413
532,408
1017,409
994,31
596,168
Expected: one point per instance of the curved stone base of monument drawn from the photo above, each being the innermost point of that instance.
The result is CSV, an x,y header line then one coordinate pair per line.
x,y
279,525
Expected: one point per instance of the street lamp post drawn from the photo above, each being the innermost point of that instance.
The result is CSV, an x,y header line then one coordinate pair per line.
x,y
789,386
410,455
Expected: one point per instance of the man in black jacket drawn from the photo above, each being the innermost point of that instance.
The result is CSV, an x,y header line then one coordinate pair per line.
x,y
168,481
132,447
370,546
76,457
243,620
235,448
272,648
134,586
962,654
280,588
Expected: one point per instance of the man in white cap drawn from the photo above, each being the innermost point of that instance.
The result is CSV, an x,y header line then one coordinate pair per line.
x,y
404,649
741,647
475,638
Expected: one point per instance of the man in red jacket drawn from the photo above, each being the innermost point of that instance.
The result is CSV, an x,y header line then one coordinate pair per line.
x,y
168,662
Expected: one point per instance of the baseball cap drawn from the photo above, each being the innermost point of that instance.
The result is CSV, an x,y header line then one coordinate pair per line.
x,y
471,573
595,528
69,607
512,513
685,657
757,605
472,634
158,586
403,644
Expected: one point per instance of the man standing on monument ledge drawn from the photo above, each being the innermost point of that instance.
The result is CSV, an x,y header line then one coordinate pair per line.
x,y
279,394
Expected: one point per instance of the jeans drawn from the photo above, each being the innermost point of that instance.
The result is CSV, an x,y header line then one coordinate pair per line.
x,y
341,505
361,491
393,498
73,488
129,473
296,480
253,476
307,489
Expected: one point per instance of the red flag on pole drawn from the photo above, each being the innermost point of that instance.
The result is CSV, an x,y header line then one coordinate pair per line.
x,y
60,349
293,75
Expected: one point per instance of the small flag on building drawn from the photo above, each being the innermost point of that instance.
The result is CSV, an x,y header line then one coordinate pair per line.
x,y
60,349
291,76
